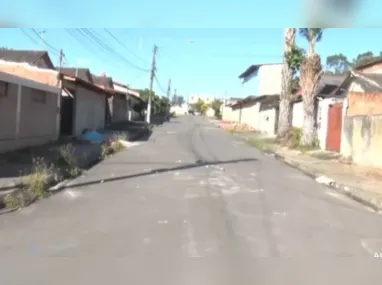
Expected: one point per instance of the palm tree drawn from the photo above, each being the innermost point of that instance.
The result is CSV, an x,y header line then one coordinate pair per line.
x,y
310,73
284,124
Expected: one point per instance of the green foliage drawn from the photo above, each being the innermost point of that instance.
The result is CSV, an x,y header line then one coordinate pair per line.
x,y
262,144
203,108
294,58
311,34
338,63
177,100
68,156
198,105
164,104
38,179
216,105
366,58
295,137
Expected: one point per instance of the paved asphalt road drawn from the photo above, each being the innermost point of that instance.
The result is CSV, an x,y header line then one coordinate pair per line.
x,y
193,205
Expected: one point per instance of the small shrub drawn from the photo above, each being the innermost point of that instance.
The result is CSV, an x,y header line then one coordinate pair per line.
x,y
74,171
67,154
265,145
117,146
295,137
37,180
15,200
119,136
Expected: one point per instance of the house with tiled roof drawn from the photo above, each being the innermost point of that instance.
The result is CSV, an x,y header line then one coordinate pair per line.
x,y
37,58
82,73
82,104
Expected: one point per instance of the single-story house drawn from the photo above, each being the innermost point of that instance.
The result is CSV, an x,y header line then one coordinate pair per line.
x,y
82,103
135,105
328,102
28,112
116,106
228,113
259,112
362,119
37,58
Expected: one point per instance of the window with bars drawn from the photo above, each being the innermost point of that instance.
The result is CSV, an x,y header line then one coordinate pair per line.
x,y
38,96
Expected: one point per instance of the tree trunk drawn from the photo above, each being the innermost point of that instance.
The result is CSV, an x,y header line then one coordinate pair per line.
x,y
309,77
308,131
284,118
285,123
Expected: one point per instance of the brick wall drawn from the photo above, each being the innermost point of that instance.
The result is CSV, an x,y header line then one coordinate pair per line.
x,y
42,76
361,103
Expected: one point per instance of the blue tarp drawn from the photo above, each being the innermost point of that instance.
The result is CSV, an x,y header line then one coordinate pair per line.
x,y
93,137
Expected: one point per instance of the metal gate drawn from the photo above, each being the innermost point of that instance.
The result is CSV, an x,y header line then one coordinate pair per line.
x,y
333,137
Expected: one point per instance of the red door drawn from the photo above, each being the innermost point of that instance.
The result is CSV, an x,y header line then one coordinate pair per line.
x,y
333,137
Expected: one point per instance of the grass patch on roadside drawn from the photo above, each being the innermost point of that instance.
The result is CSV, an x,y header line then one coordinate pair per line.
x,y
264,144
68,157
114,146
33,185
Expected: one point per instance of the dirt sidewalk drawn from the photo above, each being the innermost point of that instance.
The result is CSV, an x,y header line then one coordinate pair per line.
x,y
363,184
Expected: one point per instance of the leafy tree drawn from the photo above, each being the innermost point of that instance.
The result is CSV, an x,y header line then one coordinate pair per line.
x,y
337,63
198,106
177,100
313,36
366,58
310,73
216,105
203,108
155,99
164,104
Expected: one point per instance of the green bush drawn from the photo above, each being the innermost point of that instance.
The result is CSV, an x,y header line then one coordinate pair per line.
x,y
295,137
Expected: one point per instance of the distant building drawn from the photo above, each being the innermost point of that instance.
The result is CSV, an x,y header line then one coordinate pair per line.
x,y
205,98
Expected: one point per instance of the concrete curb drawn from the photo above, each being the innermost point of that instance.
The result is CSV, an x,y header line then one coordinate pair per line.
x,y
54,188
355,194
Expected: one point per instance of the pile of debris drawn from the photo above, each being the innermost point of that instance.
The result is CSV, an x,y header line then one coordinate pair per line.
x,y
236,127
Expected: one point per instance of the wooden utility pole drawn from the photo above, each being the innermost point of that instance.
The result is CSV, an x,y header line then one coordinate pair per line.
x,y
169,89
152,76
60,59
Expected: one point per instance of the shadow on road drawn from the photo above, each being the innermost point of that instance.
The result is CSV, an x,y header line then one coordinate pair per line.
x,y
158,171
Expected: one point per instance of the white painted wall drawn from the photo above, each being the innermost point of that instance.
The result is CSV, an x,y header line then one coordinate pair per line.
x,y
298,115
179,110
228,114
210,112
250,115
267,122
270,79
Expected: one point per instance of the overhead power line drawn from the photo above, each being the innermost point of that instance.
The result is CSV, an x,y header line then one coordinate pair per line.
x,y
45,42
159,84
123,45
29,36
90,35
